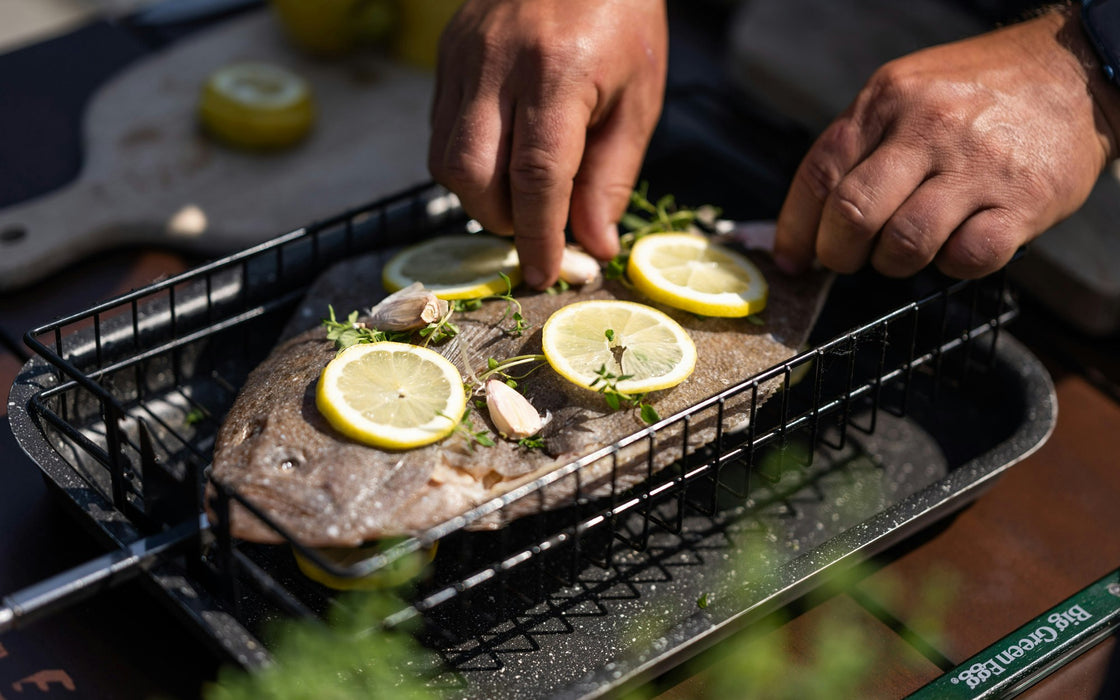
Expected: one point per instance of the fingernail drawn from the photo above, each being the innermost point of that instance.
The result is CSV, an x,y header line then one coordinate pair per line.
x,y
534,277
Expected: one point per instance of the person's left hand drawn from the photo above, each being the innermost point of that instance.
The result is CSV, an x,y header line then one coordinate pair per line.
x,y
955,155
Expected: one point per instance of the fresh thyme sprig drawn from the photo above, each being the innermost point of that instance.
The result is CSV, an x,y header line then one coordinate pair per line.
x,y
645,217
513,309
352,332
440,330
495,367
512,312
606,383
465,427
533,442
560,287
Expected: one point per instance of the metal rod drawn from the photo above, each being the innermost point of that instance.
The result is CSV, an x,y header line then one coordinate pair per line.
x,y
95,575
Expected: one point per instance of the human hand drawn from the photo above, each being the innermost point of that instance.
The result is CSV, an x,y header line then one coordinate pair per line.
x,y
955,155
542,113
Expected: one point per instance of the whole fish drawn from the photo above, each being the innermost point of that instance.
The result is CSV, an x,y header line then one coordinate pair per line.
x,y
278,451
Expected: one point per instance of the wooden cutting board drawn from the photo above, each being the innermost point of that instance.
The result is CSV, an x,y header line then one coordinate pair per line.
x,y
148,172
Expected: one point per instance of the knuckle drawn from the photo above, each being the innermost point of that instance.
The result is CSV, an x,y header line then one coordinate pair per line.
x,y
977,254
904,247
895,81
851,204
558,53
905,241
533,170
460,171
818,175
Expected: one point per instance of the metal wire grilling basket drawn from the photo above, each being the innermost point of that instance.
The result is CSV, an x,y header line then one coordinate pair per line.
x,y
909,402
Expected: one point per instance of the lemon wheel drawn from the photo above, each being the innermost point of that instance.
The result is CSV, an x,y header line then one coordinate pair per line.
x,y
391,395
396,573
583,339
689,272
455,267
256,106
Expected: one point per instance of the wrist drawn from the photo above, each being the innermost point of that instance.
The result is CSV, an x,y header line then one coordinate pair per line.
x,y
1099,72
1100,20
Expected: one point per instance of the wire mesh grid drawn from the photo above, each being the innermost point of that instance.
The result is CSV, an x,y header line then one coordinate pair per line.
x,y
135,389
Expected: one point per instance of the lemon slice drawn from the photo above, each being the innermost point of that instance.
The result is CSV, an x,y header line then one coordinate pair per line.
x,y
392,395
397,572
455,267
256,105
689,272
622,337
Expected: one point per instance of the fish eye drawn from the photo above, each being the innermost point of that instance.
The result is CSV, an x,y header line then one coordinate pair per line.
x,y
289,464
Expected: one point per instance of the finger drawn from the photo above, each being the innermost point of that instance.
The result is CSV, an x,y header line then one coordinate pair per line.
x,y
982,244
548,143
835,152
473,161
910,239
444,113
612,159
863,201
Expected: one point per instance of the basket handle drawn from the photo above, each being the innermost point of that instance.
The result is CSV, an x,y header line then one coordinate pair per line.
x,y
85,580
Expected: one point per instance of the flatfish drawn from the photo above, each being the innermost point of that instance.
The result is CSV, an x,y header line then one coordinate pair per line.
x,y
276,450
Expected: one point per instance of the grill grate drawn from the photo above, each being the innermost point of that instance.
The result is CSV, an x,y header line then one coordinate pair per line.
x,y
124,400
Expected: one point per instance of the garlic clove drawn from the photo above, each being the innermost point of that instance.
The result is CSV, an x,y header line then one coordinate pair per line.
x,y
511,413
579,268
408,309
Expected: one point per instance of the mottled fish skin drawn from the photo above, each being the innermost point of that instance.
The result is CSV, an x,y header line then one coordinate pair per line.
x,y
276,449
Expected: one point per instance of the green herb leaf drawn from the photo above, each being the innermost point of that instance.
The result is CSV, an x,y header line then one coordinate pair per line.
x,y
616,268
535,442
461,305
613,400
194,416
465,427
351,332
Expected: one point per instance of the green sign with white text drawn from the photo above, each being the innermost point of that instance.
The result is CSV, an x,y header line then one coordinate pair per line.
x,y
1036,649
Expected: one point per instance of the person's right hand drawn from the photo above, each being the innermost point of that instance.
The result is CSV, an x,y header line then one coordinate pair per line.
x,y
956,155
542,113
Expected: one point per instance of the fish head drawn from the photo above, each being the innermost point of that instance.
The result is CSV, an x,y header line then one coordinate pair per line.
x,y
269,461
